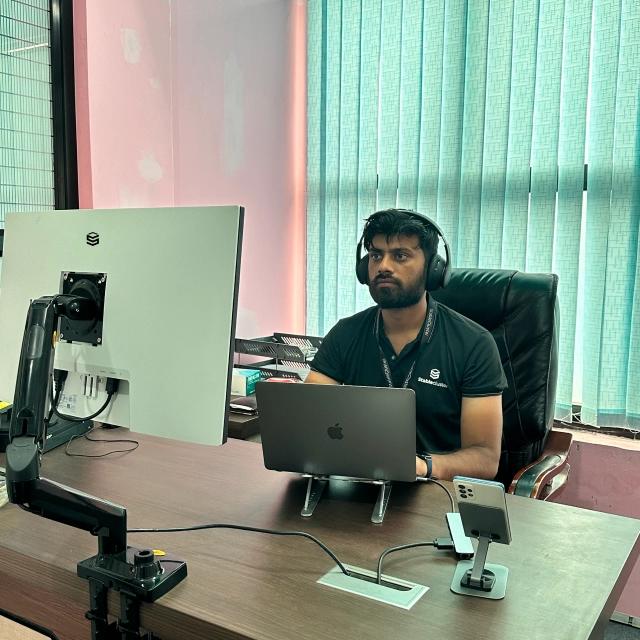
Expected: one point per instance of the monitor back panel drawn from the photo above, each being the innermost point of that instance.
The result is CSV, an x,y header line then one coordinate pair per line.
x,y
169,317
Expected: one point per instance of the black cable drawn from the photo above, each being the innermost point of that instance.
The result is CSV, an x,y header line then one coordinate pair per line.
x,y
91,417
99,455
386,552
434,481
238,527
58,378
53,402
60,386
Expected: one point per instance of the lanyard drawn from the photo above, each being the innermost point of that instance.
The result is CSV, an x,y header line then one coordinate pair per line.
x,y
427,332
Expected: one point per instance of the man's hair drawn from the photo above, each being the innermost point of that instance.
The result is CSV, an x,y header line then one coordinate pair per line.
x,y
395,222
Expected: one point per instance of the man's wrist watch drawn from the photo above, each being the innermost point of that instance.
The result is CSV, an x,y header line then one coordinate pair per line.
x,y
427,458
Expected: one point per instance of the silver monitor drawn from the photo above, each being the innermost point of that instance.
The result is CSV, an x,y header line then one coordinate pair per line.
x,y
170,300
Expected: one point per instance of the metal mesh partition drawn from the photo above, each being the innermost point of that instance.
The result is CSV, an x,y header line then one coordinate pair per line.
x,y
26,125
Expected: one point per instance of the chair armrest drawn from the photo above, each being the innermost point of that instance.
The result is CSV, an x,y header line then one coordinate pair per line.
x,y
545,476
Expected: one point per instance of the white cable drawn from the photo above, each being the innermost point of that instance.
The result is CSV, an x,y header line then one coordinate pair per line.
x,y
4,498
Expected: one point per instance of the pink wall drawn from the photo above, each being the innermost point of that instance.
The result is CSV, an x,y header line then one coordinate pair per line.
x,y
605,477
201,102
235,106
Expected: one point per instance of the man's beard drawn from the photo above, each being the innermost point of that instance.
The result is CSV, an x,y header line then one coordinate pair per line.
x,y
397,296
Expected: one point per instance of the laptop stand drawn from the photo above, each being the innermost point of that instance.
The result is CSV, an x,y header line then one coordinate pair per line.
x,y
316,486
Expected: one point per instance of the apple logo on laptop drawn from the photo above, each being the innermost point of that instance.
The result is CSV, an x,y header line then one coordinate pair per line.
x,y
335,432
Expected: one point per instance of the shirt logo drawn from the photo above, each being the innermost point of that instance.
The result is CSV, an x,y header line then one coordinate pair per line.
x,y
434,375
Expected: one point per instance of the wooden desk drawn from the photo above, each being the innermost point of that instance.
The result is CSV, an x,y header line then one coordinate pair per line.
x,y
567,565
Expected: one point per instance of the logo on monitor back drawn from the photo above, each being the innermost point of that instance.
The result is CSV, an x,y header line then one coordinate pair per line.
x,y
93,239
335,432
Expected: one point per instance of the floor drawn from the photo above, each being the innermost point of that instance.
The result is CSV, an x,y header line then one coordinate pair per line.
x,y
10,630
617,631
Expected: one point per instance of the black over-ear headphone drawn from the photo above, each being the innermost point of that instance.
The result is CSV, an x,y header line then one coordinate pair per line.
x,y
438,270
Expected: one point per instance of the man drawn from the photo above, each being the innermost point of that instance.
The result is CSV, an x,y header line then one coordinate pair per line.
x,y
410,340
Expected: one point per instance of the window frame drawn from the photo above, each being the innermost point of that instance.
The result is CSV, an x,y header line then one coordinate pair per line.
x,y
65,158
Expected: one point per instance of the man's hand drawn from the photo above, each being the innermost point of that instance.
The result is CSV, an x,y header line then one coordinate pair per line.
x,y
421,467
319,378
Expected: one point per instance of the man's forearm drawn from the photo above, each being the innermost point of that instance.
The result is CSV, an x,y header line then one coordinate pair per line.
x,y
474,461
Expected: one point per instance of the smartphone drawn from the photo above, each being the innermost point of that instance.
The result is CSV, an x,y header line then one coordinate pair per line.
x,y
483,508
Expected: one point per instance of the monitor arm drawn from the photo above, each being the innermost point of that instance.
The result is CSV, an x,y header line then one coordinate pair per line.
x,y
136,574
27,432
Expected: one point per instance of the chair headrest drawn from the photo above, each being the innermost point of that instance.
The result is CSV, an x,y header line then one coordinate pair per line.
x,y
492,297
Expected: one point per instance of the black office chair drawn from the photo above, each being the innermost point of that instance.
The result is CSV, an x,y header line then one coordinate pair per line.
x,y
521,312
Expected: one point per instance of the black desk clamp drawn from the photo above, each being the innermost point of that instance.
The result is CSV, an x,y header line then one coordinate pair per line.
x,y
138,575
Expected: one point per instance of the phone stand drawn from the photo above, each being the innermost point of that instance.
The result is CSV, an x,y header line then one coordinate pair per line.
x,y
478,578
483,512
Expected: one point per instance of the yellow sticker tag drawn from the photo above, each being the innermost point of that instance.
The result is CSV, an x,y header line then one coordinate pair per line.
x,y
4,405
159,552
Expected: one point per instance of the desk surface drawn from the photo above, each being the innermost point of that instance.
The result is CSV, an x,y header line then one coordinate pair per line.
x,y
567,565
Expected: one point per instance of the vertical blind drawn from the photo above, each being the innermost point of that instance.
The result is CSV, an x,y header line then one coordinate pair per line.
x,y
26,131
491,116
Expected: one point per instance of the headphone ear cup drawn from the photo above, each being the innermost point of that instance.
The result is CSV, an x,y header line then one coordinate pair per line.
x,y
446,275
362,269
436,273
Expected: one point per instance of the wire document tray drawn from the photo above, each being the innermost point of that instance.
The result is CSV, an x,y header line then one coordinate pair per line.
x,y
287,354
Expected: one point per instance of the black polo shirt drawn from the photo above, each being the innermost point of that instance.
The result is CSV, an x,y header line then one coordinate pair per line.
x,y
454,357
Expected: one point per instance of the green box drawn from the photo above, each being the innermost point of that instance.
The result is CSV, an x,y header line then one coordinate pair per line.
x,y
244,381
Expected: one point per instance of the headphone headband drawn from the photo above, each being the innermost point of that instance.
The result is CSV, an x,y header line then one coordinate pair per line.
x,y
438,270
